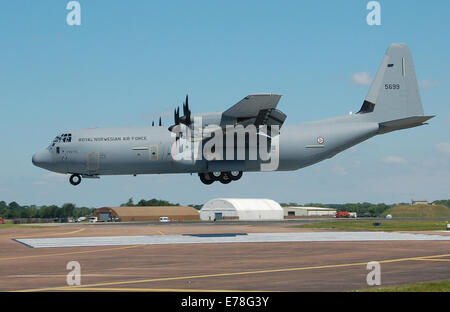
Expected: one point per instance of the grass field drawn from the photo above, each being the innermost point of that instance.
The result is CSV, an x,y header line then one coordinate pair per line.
x,y
355,225
419,287
10,225
418,211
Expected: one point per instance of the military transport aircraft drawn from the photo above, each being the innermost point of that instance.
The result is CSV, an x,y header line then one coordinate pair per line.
x,y
393,103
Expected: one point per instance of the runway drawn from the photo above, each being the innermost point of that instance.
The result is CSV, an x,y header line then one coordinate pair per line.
x,y
205,261
219,238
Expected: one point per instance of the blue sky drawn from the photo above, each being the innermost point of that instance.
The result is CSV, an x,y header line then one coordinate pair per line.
x,y
132,61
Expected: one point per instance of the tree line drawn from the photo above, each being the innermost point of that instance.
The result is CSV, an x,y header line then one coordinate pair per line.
x,y
145,203
15,211
444,202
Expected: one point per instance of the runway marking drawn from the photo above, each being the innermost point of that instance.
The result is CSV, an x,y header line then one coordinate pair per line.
x,y
159,232
54,234
159,289
89,286
434,259
70,253
97,241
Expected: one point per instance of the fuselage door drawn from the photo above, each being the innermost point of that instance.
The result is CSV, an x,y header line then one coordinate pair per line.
x,y
93,163
153,152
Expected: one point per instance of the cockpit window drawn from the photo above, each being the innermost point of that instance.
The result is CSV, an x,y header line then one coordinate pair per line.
x,y
64,138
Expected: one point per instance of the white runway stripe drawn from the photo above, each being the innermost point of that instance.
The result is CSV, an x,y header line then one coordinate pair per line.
x,y
218,238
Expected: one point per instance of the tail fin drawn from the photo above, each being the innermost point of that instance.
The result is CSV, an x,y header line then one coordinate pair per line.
x,y
394,94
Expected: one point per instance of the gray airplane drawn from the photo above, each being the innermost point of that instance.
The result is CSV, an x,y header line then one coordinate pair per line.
x,y
393,103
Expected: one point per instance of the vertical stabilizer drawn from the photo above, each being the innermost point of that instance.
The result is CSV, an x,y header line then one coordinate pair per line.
x,y
394,93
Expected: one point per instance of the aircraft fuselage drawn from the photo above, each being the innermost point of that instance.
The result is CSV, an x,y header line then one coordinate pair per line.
x,y
149,150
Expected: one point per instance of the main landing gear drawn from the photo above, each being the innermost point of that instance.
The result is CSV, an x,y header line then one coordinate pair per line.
x,y
224,177
75,179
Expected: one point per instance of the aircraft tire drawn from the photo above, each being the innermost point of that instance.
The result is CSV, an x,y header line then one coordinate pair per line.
x,y
215,175
206,178
235,175
75,179
225,178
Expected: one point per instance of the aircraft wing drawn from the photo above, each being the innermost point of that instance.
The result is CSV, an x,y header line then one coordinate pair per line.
x,y
258,109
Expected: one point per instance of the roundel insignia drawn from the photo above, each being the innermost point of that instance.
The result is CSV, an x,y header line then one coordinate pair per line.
x,y
320,140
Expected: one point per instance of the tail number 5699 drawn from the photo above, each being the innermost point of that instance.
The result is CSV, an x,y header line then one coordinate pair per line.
x,y
392,86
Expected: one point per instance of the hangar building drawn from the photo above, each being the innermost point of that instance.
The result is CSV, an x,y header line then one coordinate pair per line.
x,y
294,212
244,209
153,213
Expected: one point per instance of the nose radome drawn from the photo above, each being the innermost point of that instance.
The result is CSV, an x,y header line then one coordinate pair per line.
x,y
42,158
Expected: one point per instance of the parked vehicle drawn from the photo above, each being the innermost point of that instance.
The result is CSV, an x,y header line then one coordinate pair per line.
x,y
164,219
93,220
342,214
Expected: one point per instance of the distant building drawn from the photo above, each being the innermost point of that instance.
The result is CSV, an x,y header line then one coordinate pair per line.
x,y
243,209
294,212
150,214
419,202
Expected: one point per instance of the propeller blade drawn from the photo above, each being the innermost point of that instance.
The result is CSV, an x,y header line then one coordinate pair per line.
x,y
188,118
160,123
188,112
185,119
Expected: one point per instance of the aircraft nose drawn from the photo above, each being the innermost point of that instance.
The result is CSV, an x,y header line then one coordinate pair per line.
x,y
42,158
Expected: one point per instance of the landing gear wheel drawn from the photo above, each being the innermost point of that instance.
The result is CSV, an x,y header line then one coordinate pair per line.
x,y
75,179
206,178
235,175
225,178
215,175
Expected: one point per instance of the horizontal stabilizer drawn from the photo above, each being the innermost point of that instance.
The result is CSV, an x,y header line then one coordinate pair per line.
x,y
404,123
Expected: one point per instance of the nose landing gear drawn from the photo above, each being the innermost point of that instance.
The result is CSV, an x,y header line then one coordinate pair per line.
x,y
75,179
224,177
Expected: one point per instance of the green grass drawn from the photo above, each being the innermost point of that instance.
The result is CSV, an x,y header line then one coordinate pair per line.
x,y
443,286
418,211
355,225
10,225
